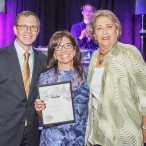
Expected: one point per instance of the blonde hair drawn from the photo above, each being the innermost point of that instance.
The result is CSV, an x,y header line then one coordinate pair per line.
x,y
107,13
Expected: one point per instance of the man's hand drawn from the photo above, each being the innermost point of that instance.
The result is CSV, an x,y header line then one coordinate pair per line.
x,y
83,34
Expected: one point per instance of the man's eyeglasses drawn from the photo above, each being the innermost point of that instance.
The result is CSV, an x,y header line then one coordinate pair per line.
x,y
26,27
66,46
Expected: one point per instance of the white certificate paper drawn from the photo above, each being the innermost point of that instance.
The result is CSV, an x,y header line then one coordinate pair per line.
x,y
59,103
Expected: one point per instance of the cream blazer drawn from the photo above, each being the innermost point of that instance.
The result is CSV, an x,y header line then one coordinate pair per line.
x,y
122,100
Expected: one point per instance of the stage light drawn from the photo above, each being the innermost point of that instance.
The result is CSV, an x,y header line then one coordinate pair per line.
x,y
2,6
140,9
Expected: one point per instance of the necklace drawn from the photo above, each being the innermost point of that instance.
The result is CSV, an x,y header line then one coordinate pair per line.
x,y
102,57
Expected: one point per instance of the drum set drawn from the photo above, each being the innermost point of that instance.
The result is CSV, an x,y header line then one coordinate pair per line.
x,y
86,55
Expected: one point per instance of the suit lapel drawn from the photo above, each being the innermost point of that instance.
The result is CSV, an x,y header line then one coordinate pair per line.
x,y
15,66
82,25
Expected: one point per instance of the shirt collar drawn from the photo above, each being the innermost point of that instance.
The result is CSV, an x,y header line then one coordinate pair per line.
x,y
20,51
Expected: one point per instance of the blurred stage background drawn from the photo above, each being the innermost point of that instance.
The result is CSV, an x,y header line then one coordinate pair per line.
x,y
61,14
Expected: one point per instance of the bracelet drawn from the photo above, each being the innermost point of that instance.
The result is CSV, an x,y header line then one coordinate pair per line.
x,y
144,127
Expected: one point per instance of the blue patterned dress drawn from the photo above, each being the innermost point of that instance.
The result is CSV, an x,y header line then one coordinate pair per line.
x,y
72,134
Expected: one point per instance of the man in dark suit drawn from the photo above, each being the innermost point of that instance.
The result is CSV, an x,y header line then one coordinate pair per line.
x,y
18,120
79,29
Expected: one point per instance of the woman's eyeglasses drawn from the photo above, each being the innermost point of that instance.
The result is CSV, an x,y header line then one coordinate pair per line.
x,y
66,46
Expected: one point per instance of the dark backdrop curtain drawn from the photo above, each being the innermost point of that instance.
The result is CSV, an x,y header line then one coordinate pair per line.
x,y
61,14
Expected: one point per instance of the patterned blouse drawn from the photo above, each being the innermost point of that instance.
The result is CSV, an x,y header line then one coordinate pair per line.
x,y
70,134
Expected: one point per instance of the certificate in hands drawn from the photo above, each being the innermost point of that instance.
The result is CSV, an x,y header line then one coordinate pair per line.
x,y
59,103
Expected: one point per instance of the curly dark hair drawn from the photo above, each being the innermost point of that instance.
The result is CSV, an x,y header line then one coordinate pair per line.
x,y
56,40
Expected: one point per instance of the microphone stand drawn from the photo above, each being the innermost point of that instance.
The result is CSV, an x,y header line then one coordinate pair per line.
x,y
142,33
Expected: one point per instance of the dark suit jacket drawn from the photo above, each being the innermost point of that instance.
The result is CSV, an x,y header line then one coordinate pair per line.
x,y
14,106
76,30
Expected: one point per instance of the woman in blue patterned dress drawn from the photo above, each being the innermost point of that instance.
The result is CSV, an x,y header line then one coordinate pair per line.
x,y
64,64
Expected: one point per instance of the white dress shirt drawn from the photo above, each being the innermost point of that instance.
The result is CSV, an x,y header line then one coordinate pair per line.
x,y
20,54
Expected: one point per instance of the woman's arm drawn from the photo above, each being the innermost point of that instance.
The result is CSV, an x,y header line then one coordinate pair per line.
x,y
144,128
39,106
